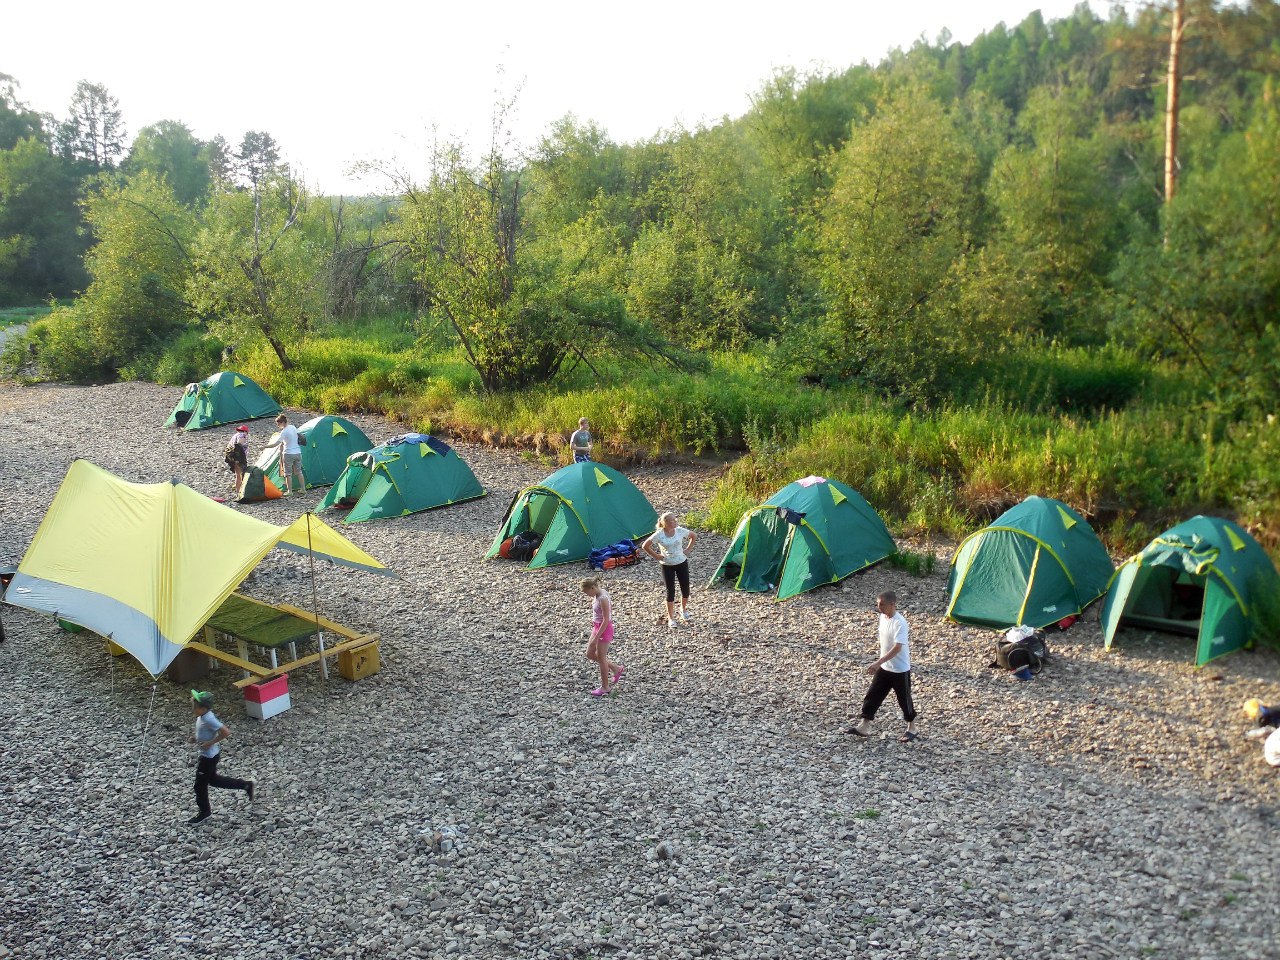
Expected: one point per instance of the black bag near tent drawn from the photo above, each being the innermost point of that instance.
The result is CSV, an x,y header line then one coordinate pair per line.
x,y
1027,653
524,546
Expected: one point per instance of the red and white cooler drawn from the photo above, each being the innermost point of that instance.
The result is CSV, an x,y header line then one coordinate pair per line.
x,y
267,698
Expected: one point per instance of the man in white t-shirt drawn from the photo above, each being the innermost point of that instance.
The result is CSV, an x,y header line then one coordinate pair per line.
x,y
892,671
290,455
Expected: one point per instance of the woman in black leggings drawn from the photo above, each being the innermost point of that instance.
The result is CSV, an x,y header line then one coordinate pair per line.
x,y
669,545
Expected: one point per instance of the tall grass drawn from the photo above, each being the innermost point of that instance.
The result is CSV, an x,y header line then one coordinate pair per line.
x,y
1117,441
1133,472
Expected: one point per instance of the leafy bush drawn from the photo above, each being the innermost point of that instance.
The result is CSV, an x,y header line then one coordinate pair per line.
x,y
918,564
192,357
64,348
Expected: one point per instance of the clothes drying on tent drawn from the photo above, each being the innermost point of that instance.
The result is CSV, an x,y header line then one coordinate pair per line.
x,y
810,532
146,565
326,443
400,478
1037,564
577,509
1203,578
225,397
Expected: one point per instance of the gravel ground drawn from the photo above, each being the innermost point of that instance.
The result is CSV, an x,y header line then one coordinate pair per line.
x,y
472,799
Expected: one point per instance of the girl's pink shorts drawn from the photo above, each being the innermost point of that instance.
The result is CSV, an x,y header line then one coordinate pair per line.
x,y
606,635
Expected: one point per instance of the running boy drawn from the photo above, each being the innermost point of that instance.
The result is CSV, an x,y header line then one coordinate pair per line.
x,y
891,672
601,636
209,733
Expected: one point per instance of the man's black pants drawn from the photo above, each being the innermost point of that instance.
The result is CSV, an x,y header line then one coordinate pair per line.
x,y
207,776
884,681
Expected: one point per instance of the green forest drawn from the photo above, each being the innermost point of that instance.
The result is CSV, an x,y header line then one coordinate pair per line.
x,y
951,279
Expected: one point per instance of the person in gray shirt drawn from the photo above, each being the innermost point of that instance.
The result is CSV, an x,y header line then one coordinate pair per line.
x,y
580,442
208,736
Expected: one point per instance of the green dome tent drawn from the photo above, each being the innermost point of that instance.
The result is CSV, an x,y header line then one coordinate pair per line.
x,y
404,475
1038,563
327,443
226,397
1202,578
810,532
577,509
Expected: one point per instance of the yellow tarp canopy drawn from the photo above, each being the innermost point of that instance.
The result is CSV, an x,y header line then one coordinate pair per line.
x,y
148,564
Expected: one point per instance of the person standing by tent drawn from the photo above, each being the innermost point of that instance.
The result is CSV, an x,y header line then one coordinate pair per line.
x,y
891,672
209,734
237,455
601,636
290,455
580,442
670,545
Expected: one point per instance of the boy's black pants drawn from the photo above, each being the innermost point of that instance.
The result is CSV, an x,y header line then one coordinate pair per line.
x,y
207,776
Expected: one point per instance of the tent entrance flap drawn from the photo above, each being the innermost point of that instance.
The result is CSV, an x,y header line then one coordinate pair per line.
x,y
538,511
764,546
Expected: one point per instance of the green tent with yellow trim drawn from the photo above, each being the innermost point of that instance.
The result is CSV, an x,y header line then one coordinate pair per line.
x,y
811,532
577,509
226,397
1036,564
1203,578
404,475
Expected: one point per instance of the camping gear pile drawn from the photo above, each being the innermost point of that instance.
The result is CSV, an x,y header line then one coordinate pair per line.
x,y
521,547
620,554
1023,651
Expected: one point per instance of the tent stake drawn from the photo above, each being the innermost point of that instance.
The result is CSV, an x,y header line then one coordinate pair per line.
x,y
146,725
315,603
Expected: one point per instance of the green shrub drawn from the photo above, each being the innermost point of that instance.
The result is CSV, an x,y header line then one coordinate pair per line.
x,y
918,564
192,357
64,349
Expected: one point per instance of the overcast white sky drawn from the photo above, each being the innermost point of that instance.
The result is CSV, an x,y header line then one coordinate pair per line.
x,y
339,83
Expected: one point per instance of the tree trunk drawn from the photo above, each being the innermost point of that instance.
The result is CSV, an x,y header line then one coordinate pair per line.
x,y
278,346
1171,103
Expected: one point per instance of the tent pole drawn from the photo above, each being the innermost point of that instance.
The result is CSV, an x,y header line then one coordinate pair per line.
x,y
315,603
146,724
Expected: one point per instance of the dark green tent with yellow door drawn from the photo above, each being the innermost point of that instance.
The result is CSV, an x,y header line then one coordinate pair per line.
x,y
577,509
226,397
1037,564
406,474
809,533
1204,578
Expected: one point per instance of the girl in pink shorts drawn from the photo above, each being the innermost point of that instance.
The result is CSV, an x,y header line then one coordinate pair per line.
x,y
601,636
